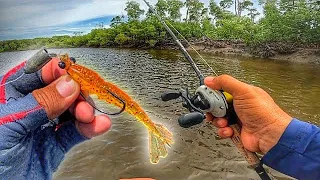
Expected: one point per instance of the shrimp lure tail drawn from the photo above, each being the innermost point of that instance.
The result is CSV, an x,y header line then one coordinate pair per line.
x,y
157,145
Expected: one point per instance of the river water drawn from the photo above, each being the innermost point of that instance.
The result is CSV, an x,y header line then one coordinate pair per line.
x,y
198,153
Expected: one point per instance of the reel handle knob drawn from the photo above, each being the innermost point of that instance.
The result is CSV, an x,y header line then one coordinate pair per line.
x,y
191,119
170,96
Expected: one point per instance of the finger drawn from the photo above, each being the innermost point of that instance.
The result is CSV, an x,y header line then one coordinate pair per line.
x,y
209,117
226,83
84,112
52,71
220,122
84,96
225,132
98,126
58,96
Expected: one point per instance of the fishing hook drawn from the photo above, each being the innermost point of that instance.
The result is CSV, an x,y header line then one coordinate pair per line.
x,y
107,113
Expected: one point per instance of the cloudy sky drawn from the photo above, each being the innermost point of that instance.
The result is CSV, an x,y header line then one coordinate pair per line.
x,y
42,18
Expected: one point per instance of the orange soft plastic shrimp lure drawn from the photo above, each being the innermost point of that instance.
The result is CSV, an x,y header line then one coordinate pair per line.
x,y
92,83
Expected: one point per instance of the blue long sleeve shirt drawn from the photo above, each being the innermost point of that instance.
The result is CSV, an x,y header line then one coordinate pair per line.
x,y
28,148
297,153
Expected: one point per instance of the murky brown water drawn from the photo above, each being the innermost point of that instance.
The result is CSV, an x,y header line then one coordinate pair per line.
x,y
197,153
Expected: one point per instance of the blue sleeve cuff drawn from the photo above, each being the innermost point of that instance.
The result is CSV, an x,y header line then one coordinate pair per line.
x,y
294,153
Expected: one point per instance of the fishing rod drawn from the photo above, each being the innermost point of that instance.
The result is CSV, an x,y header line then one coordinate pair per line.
x,y
181,47
218,103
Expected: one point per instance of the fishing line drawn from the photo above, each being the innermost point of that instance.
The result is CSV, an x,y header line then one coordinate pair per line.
x,y
192,48
35,63
13,80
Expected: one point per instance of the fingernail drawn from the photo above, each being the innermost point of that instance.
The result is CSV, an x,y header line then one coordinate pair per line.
x,y
225,133
66,87
219,122
208,79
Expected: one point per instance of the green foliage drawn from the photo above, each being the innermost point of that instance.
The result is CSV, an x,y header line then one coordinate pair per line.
x,y
241,28
295,21
215,10
116,21
133,10
225,4
253,13
161,8
151,43
174,7
194,9
121,39
298,24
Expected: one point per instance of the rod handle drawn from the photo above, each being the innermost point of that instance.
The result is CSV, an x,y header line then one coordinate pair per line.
x,y
251,157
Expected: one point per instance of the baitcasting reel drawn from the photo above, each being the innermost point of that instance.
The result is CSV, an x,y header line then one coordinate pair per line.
x,y
204,100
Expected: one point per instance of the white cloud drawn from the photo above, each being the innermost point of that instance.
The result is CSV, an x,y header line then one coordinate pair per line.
x,y
36,13
24,16
40,13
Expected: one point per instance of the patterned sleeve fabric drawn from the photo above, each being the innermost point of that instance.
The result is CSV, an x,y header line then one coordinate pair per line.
x,y
29,148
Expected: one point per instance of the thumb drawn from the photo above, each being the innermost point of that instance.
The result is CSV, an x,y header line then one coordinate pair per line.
x,y
227,83
58,96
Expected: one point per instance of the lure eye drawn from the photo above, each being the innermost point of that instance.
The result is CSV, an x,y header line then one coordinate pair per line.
x,y
73,59
62,65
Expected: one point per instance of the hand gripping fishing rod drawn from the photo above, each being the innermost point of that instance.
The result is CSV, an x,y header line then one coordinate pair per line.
x,y
218,103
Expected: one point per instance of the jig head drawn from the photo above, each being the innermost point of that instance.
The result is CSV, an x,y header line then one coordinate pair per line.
x,y
38,60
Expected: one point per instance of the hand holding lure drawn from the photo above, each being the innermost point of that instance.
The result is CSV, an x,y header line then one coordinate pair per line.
x,y
91,83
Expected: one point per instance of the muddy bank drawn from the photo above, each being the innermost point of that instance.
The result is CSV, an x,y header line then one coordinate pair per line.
x,y
276,50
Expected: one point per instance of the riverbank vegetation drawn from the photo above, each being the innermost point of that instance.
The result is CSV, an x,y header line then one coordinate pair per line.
x,y
285,23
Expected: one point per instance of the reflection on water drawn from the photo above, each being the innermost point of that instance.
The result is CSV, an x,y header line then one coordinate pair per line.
x,y
198,153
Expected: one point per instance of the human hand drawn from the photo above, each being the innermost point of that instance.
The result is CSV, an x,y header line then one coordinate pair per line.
x,y
62,93
28,144
263,121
